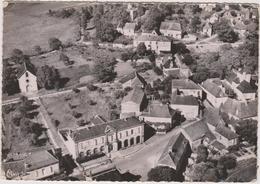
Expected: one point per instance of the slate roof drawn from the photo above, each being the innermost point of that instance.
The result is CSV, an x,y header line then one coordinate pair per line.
x,y
213,88
40,159
246,87
99,130
218,145
156,109
170,25
25,67
173,152
129,25
184,84
134,75
240,109
226,132
184,100
152,38
136,95
97,120
196,129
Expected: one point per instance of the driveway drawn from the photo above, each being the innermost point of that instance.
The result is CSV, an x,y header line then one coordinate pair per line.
x,y
140,162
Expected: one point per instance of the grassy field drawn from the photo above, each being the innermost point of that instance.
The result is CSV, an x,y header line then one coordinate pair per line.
x,y
27,25
61,108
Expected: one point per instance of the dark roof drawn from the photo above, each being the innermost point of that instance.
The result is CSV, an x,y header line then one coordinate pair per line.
x,y
246,87
136,95
212,116
196,129
240,109
136,77
218,145
25,67
97,120
40,159
170,25
184,84
174,151
213,88
100,130
226,132
184,100
157,109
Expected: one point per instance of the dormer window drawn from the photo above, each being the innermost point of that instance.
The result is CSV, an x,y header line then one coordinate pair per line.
x,y
26,74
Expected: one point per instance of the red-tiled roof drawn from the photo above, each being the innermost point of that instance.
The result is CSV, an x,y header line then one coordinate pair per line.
x,y
246,87
184,84
226,132
170,25
136,95
25,67
213,88
157,109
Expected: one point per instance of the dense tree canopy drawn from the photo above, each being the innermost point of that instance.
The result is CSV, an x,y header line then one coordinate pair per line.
x,y
48,77
162,173
153,19
104,70
203,153
105,31
55,43
228,162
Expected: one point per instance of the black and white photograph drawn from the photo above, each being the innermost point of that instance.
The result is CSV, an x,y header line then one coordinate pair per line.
x,y
129,91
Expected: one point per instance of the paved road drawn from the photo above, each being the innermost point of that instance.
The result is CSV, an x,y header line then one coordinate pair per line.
x,y
142,161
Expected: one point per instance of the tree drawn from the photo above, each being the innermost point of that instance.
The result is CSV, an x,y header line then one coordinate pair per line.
x,y
17,53
196,9
141,49
247,131
9,81
225,31
37,49
162,173
104,70
48,77
218,8
55,43
65,59
140,10
187,59
211,175
158,70
202,154
153,20
195,24
105,31
229,162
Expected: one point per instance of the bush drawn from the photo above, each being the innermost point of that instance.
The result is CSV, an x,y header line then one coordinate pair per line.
x,y
75,90
125,56
162,173
76,114
157,70
91,87
92,102
56,123
228,162
37,49
55,43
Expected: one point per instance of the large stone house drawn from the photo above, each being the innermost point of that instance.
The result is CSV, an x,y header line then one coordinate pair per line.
x,y
214,92
172,29
159,116
176,154
133,103
240,110
34,166
155,43
27,79
187,105
105,138
186,87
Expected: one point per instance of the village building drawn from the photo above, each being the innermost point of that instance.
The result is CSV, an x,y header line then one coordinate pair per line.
x,y
176,154
36,165
27,79
214,92
128,29
172,29
133,80
197,132
226,136
246,91
104,138
185,71
187,105
133,103
150,33
240,110
159,116
186,87
155,43
207,29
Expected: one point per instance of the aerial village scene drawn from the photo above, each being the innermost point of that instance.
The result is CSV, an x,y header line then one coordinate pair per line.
x,y
130,91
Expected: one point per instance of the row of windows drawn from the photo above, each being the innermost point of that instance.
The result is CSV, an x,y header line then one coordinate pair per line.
x,y
43,171
112,138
